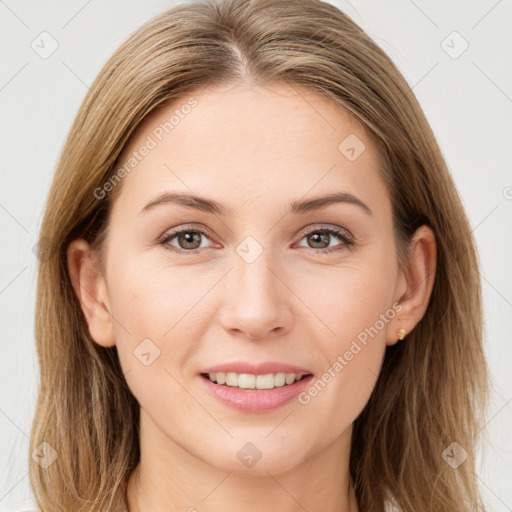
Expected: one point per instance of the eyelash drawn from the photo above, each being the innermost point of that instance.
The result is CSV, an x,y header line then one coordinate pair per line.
x,y
347,239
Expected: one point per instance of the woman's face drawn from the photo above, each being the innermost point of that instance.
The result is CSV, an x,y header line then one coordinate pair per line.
x,y
254,284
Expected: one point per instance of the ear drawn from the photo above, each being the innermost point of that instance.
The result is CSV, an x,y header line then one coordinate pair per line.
x,y
90,288
415,283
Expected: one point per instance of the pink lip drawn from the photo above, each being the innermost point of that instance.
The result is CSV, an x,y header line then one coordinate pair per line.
x,y
256,400
256,369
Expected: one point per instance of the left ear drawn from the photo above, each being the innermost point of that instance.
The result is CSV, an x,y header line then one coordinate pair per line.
x,y
415,283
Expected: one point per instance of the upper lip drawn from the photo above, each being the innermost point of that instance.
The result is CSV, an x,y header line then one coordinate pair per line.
x,y
256,369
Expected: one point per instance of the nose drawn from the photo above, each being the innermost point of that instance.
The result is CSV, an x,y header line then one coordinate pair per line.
x,y
257,301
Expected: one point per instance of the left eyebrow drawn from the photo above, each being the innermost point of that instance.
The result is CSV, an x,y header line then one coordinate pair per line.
x,y
308,205
204,204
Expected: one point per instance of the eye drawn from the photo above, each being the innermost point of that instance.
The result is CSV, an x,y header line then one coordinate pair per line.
x,y
188,240
320,238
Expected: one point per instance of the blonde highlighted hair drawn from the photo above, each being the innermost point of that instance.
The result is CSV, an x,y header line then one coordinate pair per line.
x,y
432,389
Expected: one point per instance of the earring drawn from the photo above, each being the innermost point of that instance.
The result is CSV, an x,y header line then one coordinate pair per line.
x,y
401,334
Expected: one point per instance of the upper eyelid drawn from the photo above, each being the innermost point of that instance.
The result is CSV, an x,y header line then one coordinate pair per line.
x,y
186,227
326,227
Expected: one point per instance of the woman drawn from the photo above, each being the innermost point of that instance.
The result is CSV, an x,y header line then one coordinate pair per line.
x,y
198,349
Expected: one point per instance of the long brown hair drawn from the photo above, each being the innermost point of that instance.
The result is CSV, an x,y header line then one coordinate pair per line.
x,y
432,388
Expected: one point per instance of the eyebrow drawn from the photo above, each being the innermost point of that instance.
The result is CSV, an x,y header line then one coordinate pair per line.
x,y
204,204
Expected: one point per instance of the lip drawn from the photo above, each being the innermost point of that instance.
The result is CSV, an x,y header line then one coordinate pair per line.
x,y
256,369
256,400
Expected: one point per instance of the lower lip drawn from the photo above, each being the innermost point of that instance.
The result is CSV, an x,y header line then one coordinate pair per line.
x,y
256,400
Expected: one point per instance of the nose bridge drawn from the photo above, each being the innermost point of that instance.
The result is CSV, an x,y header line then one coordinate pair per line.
x,y
256,304
252,272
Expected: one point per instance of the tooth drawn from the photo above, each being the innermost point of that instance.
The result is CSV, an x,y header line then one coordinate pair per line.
x,y
232,379
290,378
247,381
265,381
279,379
251,381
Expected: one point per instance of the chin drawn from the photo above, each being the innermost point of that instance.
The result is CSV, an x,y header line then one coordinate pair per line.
x,y
259,456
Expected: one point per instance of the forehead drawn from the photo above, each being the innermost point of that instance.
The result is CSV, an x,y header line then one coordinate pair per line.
x,y
242,143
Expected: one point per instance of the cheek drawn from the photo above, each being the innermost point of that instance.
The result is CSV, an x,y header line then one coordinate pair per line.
x,y
156,311
356,305
350,299
157,329
336,397
151,299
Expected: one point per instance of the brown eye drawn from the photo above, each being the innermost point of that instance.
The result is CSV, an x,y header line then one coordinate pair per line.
x,y
188,241
320,239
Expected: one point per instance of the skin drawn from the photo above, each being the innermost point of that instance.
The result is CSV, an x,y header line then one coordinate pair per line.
x,y
254,150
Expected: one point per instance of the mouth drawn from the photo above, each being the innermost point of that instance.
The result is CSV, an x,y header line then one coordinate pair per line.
x,y
254,392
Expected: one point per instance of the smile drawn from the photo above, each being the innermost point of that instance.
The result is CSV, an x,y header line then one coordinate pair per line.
x,y
252,381
255,388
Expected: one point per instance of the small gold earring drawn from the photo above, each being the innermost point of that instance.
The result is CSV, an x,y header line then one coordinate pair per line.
x,y
401,334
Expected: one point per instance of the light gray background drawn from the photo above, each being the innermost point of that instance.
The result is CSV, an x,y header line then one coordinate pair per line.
x,y
468,101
